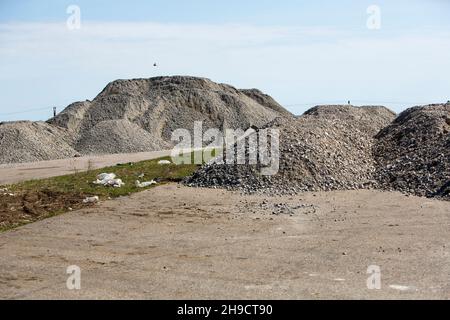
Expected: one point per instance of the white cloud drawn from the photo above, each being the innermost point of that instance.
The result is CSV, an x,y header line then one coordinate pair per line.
x,y
294,64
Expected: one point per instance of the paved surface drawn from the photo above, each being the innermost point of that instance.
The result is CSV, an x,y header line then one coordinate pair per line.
x,y
175,242
11,173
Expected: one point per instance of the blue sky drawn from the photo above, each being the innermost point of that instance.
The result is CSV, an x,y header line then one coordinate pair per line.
x,y
301,52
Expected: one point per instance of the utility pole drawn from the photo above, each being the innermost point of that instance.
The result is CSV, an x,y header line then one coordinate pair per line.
x,y
54,111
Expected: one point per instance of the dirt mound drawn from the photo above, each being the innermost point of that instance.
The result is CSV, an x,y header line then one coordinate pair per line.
x,y
328,148
26,141
161,105
413,153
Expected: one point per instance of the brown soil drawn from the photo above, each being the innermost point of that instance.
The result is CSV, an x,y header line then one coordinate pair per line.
x,y
31,206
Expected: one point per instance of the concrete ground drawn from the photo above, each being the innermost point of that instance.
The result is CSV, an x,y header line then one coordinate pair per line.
x,y
174,242
16,172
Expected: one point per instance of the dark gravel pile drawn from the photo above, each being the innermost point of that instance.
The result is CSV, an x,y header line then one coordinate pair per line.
x,y
413,153
328,148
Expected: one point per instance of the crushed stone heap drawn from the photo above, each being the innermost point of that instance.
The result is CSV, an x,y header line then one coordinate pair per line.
x,y
327,148
137,115
413,153
141,114
25,141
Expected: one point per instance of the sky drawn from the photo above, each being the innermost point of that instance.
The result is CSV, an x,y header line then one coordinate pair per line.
x,y
303,53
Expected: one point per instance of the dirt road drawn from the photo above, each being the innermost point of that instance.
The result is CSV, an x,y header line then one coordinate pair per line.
x,y
11,173
175,242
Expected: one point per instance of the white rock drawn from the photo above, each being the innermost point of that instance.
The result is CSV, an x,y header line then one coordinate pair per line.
x,y
93,199
144,184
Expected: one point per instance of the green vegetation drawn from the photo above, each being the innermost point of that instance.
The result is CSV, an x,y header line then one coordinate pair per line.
x,y
39,199
81,182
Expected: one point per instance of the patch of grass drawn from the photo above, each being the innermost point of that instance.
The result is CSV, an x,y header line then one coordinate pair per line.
x,y
129,173
38,199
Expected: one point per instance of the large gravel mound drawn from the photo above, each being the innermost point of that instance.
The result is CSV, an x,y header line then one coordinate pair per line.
x,y
161,105
137,115
413,153
328,148
117,135
27,141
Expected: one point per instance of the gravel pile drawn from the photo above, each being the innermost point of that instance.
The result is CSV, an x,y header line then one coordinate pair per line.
x,y
149,110
328,148
26,141
413,153
137,115
117,135
265,100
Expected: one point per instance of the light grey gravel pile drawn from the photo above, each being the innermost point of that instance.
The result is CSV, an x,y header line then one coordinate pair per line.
x,y
137,115
159,106
118,136
328,148
413,153
26,141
